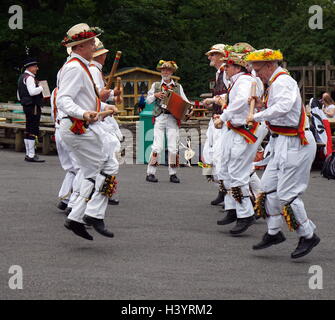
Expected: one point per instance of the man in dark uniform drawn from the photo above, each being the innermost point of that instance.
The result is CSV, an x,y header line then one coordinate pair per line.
x,y
31,98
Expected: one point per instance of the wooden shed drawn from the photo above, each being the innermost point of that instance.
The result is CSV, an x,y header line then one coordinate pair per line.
x,y
135,81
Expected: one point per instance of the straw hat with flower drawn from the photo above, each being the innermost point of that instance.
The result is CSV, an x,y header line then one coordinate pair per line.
x,y
80,33
162,64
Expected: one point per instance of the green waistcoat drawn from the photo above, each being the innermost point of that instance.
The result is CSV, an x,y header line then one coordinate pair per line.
x,y
158,88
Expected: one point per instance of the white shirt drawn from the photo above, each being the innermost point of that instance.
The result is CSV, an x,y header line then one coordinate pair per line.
x,y
109,124
284,103
238,107
76,93
329,108
96,72
151,93
59,113
30,83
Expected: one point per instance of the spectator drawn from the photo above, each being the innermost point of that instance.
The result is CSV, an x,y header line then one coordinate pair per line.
x,y
328,105
141,103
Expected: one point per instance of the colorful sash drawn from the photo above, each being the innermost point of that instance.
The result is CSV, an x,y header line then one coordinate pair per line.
x,y
245,132
292,131
283,130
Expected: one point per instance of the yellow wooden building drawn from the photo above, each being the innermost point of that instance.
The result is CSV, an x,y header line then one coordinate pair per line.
x,y
136,81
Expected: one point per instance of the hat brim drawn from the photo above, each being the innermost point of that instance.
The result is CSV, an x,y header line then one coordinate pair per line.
x,y
277,60
75,43
213,51
160,68
100,52
34,63
242,63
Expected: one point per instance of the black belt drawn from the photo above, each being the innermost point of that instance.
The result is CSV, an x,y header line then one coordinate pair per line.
x,y
275,135
166,111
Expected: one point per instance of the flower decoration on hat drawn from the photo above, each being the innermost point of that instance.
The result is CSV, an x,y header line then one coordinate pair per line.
x,y
167,64
243,47
235,58
265,55
91,32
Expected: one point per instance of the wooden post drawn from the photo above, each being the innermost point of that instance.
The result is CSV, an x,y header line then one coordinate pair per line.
x,y
46,143
18,140
314,81
327,74
310,75
303,83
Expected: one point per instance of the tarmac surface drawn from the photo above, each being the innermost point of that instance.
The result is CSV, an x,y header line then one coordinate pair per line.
x,y
167,244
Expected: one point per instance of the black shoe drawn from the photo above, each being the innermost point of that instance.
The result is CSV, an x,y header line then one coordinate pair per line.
x,y
113,202
62,205
268,240
34,159
98,225
78,228
219,199
305,246
68,211
174,179
229,218
242,225
151,178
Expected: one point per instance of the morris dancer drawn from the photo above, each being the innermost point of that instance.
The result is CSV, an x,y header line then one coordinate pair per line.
x,y
239,147
65,156
78,98
114,135
164,121
212,152
292,151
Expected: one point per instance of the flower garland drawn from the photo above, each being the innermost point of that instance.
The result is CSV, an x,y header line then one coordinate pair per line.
x,y
265,55
109,187
92,32
289,217
204,165
161,64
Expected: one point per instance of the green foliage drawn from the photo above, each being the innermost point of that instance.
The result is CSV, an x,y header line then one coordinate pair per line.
x,y
149,30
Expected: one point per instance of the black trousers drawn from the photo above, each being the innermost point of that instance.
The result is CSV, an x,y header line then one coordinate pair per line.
x,y
33,116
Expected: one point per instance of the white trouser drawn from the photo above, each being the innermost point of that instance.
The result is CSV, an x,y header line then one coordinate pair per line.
x,y
255,184
288,173
30,147
218,145
213,149
69,165
207,152
236,167
90,154
75,188
165,122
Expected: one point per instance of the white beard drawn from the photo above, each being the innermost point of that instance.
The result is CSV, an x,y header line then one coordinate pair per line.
x,y
166,79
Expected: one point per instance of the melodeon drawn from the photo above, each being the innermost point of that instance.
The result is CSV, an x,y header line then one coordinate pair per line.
x,y
176,105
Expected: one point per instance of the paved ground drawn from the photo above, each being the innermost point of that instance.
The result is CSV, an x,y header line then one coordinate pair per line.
x,y
167,244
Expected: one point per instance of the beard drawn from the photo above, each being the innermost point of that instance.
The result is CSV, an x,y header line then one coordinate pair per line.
x,y
167,78
212,64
